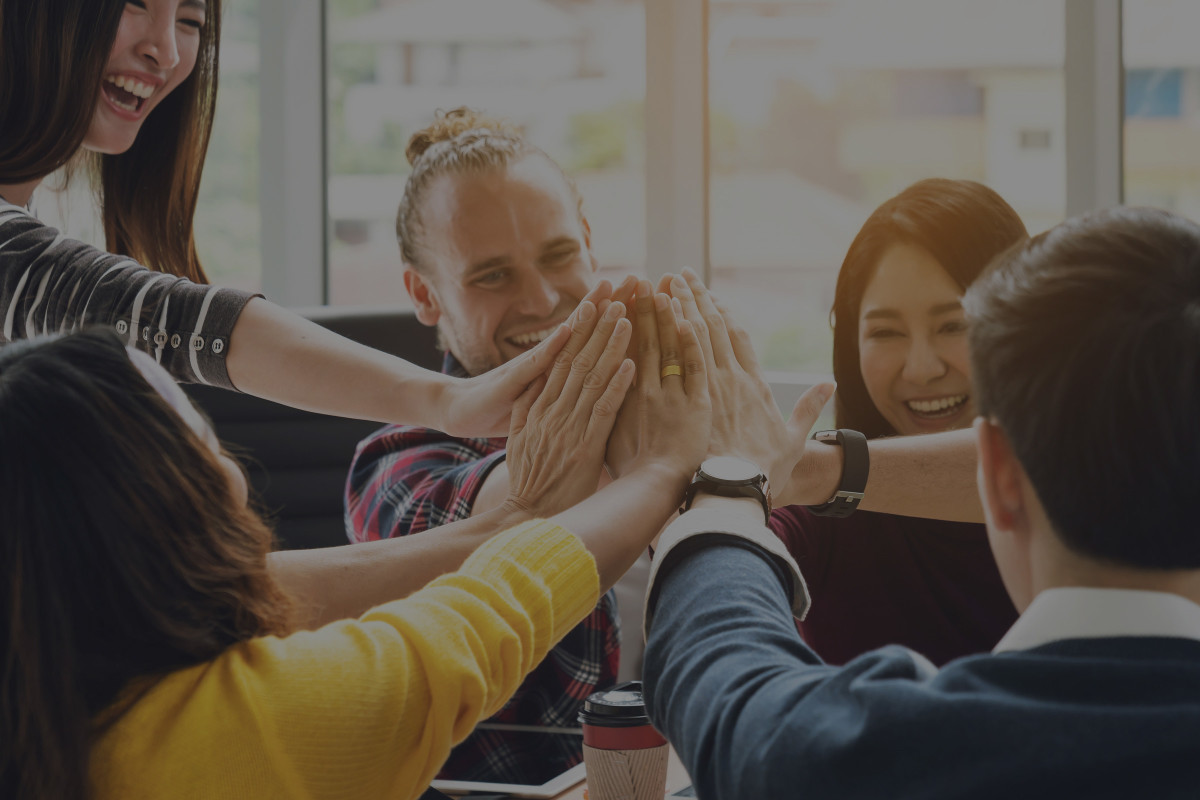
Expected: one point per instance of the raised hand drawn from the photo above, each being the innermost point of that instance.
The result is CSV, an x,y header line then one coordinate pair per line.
x,y
746,419
667,418
561,423
481,406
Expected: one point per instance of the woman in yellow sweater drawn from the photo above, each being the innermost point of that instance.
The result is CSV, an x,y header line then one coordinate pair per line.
x,y
146,648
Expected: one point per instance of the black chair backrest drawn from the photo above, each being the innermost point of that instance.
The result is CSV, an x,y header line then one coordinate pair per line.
x,y
297,461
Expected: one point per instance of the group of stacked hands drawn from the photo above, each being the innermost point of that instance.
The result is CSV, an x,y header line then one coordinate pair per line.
x,y
155,647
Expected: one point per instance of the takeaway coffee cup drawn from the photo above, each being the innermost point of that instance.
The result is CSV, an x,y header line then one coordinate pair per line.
x,y
625,758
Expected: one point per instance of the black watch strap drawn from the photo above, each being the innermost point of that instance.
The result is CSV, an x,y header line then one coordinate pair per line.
x,y
856,464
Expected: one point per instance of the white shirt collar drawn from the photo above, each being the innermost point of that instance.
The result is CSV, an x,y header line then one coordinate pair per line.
x,y
1087,613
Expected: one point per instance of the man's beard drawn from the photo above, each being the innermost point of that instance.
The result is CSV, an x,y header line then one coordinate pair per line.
x,y
472,365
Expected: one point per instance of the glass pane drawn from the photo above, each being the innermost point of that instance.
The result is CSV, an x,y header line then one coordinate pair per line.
x,y
820,111
571,73
1162,105
228,228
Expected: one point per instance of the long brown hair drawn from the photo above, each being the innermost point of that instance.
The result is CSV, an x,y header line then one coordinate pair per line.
x,y
53,59
125,554
963,224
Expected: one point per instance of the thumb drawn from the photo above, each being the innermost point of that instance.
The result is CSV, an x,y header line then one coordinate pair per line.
x,y
808,408
525,368
524,402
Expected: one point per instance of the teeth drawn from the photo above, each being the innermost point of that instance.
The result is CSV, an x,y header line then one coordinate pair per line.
x,y
134,87
526,339
933,406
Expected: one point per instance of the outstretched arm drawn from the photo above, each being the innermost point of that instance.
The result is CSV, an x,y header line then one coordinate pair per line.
x,y
578,403
930,476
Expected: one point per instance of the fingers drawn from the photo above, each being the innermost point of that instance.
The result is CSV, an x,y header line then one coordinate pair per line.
x,y
646,334
585,370
695,379
583,323
718,335
624,293
588,386
525,401
527,367
809,407
743,348
604,412
603,290
671,358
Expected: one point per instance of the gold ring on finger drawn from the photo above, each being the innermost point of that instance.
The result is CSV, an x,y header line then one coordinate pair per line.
x,y
671,369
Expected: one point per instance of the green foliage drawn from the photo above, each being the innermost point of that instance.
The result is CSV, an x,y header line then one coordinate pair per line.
x,y
806,345
600,140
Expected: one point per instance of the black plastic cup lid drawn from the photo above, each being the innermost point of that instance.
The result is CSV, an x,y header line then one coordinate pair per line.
x,y
621,706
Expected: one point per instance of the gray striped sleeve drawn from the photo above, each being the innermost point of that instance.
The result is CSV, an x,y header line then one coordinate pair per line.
x,y
49,283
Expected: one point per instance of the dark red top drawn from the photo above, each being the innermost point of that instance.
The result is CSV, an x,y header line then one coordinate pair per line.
x,y
880,579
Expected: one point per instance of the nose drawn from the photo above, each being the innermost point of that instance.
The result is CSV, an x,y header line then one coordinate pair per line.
x,y
158,44
540,297
923,364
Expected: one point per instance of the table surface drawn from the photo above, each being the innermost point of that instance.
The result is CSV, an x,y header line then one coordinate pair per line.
x,y
677,778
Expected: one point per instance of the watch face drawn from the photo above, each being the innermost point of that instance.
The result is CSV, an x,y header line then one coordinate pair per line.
x,y
828,437
731,469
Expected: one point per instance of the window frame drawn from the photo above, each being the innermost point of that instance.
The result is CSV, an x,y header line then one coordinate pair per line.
x,y
294,139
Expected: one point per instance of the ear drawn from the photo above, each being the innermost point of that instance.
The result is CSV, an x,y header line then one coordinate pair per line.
x,y
423,296
587,241
999,477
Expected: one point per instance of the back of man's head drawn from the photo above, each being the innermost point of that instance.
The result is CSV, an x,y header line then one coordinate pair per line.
x,y
1085,349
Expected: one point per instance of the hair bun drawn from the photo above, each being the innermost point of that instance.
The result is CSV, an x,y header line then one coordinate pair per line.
x,y
448,125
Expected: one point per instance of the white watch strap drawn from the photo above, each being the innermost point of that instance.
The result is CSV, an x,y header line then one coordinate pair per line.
x,y
734,523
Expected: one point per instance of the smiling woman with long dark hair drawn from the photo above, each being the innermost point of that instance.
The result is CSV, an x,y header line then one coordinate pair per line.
x,y
900,362
127,87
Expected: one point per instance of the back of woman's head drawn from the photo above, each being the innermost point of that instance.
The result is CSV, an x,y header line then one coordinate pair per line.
x,y
126,552
459,141
962,224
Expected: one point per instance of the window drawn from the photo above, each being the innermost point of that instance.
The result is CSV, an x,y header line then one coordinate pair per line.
x,y
819,111
228,230
1162,106
572,74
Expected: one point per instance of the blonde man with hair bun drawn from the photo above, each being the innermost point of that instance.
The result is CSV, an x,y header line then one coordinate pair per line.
x,y
496,252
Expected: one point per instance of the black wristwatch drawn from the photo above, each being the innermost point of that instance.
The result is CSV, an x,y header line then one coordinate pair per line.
x,y
729,476
856,464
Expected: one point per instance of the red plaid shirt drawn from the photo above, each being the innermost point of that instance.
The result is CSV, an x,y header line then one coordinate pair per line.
x,y
407,480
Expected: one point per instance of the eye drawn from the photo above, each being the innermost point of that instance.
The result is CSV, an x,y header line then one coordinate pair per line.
x,y
194,24
954,327
136,4
560,259
884,333
491,280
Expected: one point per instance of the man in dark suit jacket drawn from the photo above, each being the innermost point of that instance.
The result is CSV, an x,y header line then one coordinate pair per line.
x,y
1085,347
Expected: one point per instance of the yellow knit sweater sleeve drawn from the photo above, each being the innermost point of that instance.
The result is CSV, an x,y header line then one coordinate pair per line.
x,y
361,708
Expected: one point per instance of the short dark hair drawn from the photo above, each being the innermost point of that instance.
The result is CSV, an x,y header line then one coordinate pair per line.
x,y
963,224
1085,349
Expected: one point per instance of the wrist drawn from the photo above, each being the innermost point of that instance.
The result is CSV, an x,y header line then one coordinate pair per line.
x,y
670,479
820,474
441,393
748,507
510,513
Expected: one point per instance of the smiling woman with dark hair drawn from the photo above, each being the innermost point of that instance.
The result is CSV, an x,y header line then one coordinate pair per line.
x,y
127,87
900,362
